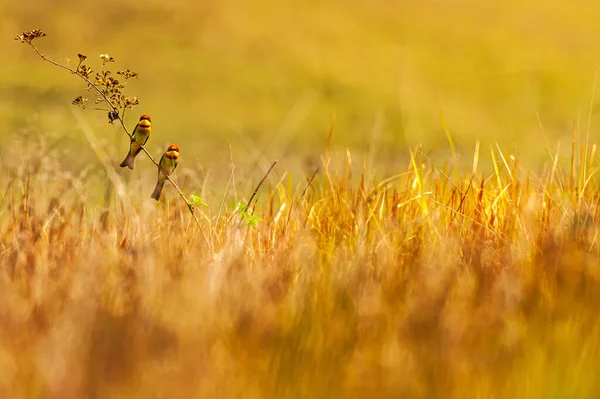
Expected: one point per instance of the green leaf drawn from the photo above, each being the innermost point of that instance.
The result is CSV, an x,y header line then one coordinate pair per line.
x,y
253,220
198,201
248,218
241,208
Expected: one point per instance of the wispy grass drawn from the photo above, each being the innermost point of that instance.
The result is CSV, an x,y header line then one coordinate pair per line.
x,y
422,285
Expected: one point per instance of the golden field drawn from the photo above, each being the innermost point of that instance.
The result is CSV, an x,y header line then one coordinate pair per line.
x,y
447,246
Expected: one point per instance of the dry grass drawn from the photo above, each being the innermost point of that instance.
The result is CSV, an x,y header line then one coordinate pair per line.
x,y
427,284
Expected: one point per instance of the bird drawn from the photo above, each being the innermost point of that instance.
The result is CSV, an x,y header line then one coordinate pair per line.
x,y
167,164
139,137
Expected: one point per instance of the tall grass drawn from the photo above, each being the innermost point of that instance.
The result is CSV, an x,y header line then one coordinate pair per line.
x,y
427,284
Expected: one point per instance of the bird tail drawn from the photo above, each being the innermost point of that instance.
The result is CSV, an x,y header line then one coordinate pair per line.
x,y
128,161
158,190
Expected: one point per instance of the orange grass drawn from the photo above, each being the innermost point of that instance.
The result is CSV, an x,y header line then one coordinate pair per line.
x,y
422,285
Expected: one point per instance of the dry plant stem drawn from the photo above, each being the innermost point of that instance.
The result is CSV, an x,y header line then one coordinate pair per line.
x,y
260,184
252,197
120,118
258,187
229,182
293,208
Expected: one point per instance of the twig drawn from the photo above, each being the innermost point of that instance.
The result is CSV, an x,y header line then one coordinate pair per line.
x,y
260,184
252,196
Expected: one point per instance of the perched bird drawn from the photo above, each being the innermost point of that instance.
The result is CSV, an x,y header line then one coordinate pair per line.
x,y
168,163
138,138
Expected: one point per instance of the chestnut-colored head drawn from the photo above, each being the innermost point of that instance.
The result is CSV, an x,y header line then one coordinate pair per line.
x,y
172,152
145,117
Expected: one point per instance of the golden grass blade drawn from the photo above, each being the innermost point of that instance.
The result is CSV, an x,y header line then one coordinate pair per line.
x,y
419,182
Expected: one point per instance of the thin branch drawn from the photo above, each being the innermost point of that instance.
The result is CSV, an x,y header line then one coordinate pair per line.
x,y
260,184
252,196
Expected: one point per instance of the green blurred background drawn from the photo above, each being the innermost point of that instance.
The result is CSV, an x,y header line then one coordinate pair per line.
x,y
267,78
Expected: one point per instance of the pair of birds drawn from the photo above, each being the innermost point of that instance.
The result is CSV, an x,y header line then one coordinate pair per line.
x,y
168,162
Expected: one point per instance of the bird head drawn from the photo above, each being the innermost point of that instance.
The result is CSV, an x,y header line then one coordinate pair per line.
x,y
145,121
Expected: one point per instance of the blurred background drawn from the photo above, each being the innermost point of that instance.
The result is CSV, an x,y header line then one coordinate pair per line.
x,y
255,81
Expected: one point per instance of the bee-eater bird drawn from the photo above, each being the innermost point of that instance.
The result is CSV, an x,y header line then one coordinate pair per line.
x,y
140,136
168,163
